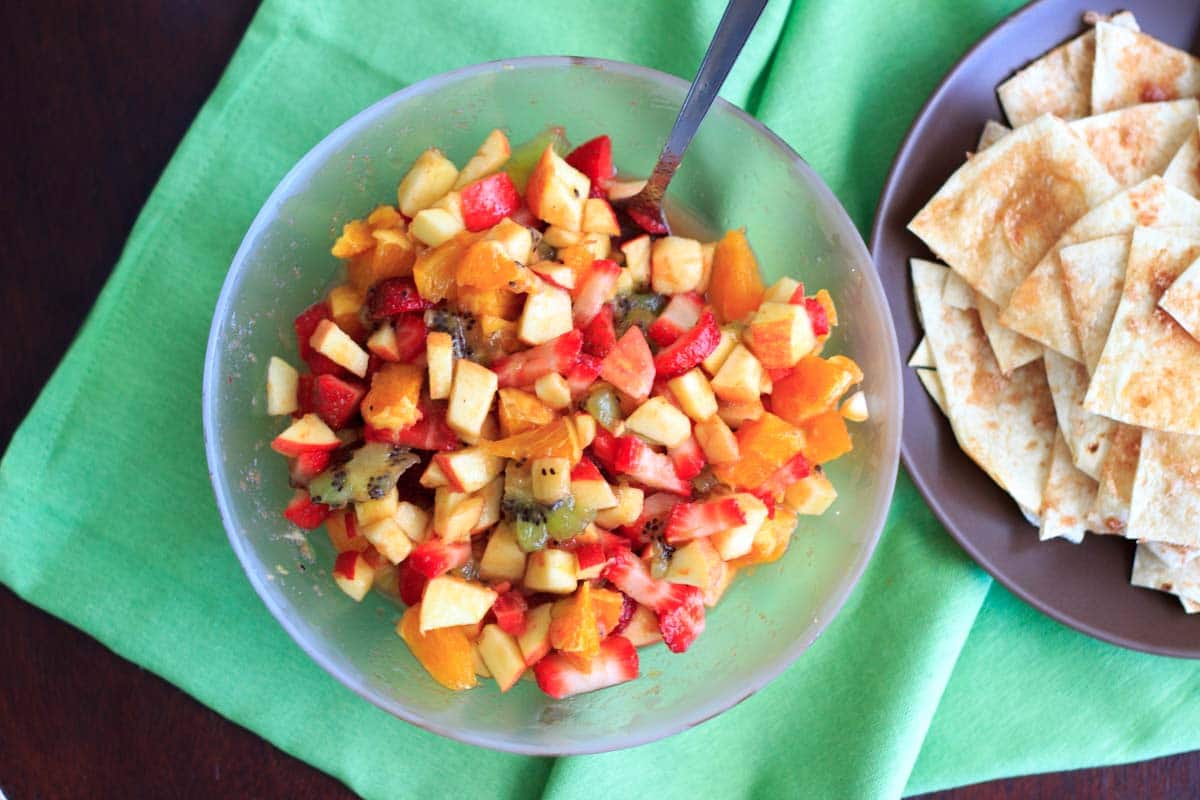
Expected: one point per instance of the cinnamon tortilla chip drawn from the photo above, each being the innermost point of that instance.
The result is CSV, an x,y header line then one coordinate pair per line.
x,y
1166,491
1137,142
1148,372
1132,67
1087,435
1184,170
1059,83
1182,300
1173,555
1067,498
1093,273
1011,349
1001,211
1006,424
922,356
1151,572
933,384
993,132
1110,512
957,293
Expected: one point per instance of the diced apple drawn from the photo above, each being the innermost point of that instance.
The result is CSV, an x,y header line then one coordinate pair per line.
x,y
492,496
780,334
433,477
515,239
547,315
593,493
490,156
353,574
451,203
369,511
469,469
716,359
502,656
439,353
697,563
811,496
450,600
737,414
598,217
642,628
305,435
413,520
561,237
734,542
740,378
556,191
345,303
627,509
382,343
335,344
552,389
675,265
455,514
471,398
557,274
660,422
694,394
585,427
389,539
477,662
598,245
535,641
551,479
706,254
434,226
717,441
781,291
503,559
855,408
552,571
623,190
282,383
724,578
637,260
343,532
431,176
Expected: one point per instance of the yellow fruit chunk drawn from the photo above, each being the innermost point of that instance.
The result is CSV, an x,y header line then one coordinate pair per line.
x,y
445,653
771,540
573,626
558,439
356,238
395,392
608,605
764,445
736,288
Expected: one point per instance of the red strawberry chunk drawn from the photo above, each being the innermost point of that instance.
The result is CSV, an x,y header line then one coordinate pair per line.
x,y
586,470
589,555
688,458
817,315
410,336
336,401
347,564
655,509
430,432
604,448
655,470
689,349
694,520
796,469
598,286
434,557
594,159
600,337
583,374
616,662
309,465
395,296
489,200
630,366
680,608
647,222
523,368
628,606
304,395
510,608
797,298
303,512
681,315
410,583
306,324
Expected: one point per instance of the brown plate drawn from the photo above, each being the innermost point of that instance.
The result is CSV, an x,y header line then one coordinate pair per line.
x,y
1084,586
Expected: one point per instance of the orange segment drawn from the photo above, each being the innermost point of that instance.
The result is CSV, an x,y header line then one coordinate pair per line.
x,y
499,303
445,653
356,238
736,288
434,269
826,300
385,216
394,397
486,265
608,605
771,541
578,258
391,257
520,412
573,626
555,440
813,387
765,445
826,437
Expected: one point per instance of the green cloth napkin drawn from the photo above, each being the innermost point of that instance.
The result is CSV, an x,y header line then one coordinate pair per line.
x,y
931,677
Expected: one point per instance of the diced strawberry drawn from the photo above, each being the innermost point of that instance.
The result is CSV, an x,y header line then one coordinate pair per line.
x,y
410,336
600,336
680,608
616,662
604,448
430,432
778,373
653,519
304,395
434,557
523,368
395,296
308,466
586,470
595,289
410,583
303,512
628,606
590,554
594,159
634,458
583,374
510,608
523,216
647,222
817,315
694,520
681,315
347,564
336,401
688,458
689,349
489,200
796,469
306,324
630,366
797,298
612,542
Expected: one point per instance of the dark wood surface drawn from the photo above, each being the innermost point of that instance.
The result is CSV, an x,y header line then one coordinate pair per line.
x,y
96,97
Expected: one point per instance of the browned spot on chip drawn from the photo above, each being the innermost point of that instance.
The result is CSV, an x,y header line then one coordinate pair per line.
x,y
1038,206
1167,586
1153,93
1114,524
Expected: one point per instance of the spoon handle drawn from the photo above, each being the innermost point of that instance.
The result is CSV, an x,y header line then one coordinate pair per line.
x,y
736,23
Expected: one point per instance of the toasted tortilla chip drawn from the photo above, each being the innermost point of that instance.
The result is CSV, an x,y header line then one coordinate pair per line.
x,y
1039,307
1182,300
1067,499
992,132
1110,512
1006,424
922,356
1137,142
1087,435
1166,490
1189,606
1059,83
933,385
1147,374
1173,555
1132,67
1184,170
1011,349
957,293
1151,572
1002,210
1093,273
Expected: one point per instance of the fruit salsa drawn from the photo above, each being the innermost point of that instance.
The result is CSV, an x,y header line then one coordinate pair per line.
x,y
553,437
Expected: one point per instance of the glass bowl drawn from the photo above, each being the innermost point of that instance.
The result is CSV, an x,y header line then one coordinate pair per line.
x,y
737,173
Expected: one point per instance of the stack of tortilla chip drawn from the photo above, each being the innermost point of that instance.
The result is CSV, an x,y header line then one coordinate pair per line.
x,y
1062,332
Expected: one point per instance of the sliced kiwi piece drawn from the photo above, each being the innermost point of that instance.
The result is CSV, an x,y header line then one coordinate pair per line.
x,y
369,474
603,403
637,309
566,520
658,554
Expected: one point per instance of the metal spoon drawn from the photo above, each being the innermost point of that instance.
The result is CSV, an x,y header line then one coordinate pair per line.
x,y
645,207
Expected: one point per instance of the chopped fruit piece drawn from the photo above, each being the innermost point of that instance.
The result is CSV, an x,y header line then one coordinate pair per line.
x,y
384,507
689,350
573,625
630,366
455,514
735,415
660,422
520,411
559,275
386,536
551,571
393,401
558,438
413,520
547,315
501,653
393,297
552,389
637,261
435,269
797,468
469,469
615,662
716,359
612,609
503,558
382,344
693,520
409,331
680,608
335,344
627,510
551,479
736,287
594,159
583,374
591,559
306,324
356,238
598,217
814,387
736,541
698,564
596,287
524,368
336,401
818,316
410,584
343,532
855,408
302,512
371,473
470,399
353,574
556,191
783,291
514,238
384,217
490,157
489,200
642,628
811,496
492,496
445,653
655,470
305,435
434,226
308,465
434,556
771,541
680,316
622,190
439,354
431,176
585,428
648,221
282,387
535,641
600,337
706,254
510,611
433,477
449,600
487,265
780,334
589,487
765,445
675,265
694,394
392,257
429,433
826,437
688,458
740,378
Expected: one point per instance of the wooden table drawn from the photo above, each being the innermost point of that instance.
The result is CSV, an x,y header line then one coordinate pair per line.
x,y
96,97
